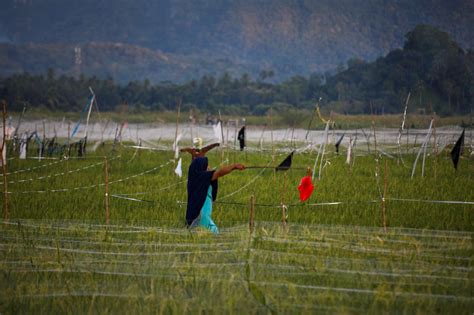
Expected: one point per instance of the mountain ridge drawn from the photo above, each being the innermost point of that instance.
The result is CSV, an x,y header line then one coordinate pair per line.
x,y
212,37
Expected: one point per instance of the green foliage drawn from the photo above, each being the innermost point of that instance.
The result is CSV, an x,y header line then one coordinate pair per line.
x,y
432,67
338,183
58,256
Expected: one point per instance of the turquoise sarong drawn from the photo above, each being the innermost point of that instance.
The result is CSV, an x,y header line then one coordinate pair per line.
x,y
204,219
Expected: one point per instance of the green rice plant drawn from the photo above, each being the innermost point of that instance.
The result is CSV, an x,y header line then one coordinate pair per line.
x,y
57,254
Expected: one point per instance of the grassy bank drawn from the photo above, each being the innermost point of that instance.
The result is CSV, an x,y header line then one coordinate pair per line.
x,y
291,118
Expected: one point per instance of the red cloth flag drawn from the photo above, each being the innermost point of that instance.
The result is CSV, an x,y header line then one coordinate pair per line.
x,y
306,188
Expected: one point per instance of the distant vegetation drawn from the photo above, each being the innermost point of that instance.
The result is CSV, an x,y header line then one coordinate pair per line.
x,y
438,73
181,40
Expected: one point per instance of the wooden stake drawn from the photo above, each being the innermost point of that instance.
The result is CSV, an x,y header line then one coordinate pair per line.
x,y
251,217
367,140
42,142
384,216
271,134
311,120
435,148
107,212
326,141
68,139
283,207
401,131
177,123
375,137
349,155
292,144
191,122
283,214
260,142
376,155
408,132
103,131
235,134
4,165
227,133
222,146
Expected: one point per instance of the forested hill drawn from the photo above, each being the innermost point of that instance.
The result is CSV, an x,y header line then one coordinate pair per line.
x,y
179,40
437,72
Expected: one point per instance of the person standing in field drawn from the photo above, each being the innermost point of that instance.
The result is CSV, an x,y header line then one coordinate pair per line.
x,y
241,138
202,191
197,149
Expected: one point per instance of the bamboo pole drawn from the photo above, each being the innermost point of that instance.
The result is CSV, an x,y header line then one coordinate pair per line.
x,y
422,148
222,146
42,143
271,134
89,112
349,155
408,135
227,133
103,131
292,144
283,214
283,207
191,123
107,211
384,215
377,164
252,213
311,120
326,143
260,142
425,145
401,131
235,134
68,138
19,122
435,148
4,165
177,124
367,140
375,137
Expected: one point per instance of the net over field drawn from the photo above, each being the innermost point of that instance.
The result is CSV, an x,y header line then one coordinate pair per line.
x,y
375,236
62,265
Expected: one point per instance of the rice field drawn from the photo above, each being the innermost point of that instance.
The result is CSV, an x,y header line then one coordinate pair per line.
x,y
329,254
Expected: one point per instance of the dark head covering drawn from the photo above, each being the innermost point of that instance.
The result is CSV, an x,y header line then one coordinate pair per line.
x,y
199,179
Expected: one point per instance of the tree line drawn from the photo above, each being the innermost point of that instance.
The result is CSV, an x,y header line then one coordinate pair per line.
x,y
437,72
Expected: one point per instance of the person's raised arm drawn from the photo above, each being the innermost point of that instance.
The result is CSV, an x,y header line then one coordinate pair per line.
x,y
222,171
209,147
189,150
